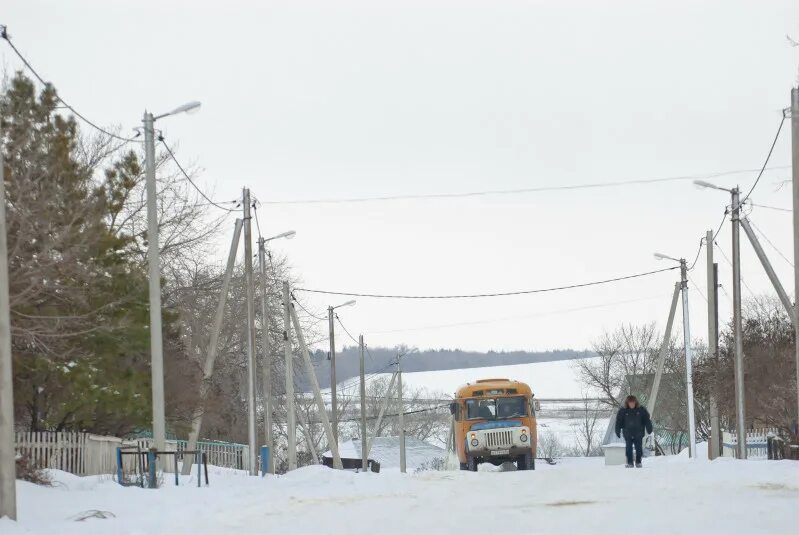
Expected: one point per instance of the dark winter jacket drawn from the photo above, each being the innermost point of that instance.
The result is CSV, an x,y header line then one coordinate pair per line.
x,y
633,422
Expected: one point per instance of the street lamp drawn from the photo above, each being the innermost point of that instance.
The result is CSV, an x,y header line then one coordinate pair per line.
x,y
156,341
686,329
334,403
737,322
266,368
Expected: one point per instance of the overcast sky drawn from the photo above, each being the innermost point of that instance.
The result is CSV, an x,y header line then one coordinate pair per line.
x,y
331,100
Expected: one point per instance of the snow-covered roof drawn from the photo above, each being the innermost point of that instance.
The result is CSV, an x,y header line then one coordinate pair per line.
x,y
385,450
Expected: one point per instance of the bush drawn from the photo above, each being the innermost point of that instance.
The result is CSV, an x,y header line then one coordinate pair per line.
x,y
438,464
27,470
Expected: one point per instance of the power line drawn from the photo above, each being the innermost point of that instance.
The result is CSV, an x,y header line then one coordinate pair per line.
x,y
314,316
4,35
511,318
185,174
768,157
345,329
520,190
778,208
726,258
763,235
495,294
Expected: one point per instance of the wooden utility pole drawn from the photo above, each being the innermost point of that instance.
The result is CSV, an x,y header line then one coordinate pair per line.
x,y
712,343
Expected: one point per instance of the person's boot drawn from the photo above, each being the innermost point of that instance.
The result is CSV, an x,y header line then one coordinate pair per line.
x,y
638,464
628,465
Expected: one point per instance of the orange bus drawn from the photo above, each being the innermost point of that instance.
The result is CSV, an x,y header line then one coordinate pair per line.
x,y
495,423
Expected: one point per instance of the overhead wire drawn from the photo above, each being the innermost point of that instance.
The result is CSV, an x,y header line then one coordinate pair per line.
x,y
768,157
494,294
512,318
778,208
188,177
4,35
729,262
596,185
763,235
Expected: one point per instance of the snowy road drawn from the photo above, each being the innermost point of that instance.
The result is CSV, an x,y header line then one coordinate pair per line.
x,y
669,495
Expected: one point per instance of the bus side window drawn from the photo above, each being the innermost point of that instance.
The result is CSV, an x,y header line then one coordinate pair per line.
x,y
455,410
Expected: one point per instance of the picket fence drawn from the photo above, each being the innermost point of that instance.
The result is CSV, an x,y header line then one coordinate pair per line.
x,y
86,454
756,443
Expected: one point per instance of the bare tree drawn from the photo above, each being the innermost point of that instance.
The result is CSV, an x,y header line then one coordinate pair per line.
x,y
586,430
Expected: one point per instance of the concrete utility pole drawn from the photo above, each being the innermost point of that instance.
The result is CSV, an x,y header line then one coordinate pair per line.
x,y
664,349
153,260
291,422
320,403
333,400
8,469
381,412
740,401
364,463
266,362
775,281
153,251
213,343
795,163
401,412
712,342
251,425
689,381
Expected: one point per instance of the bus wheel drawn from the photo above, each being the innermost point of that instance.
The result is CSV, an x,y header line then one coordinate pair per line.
x,y
472,464
464,466
525,462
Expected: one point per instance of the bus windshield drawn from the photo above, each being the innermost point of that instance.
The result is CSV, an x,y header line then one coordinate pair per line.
x,y
496,409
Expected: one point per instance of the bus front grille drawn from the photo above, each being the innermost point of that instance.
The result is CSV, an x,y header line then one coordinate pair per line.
x,y
499,439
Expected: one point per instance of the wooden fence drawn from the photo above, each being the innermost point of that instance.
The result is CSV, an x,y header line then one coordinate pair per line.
x,y
82,454
85,454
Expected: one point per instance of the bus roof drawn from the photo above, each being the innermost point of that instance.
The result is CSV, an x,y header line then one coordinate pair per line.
x,y
483,386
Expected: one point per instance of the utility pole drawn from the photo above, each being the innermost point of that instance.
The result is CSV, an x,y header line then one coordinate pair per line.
x,y
364,438
664,349
8,469
712,342
795,163
333,402
311,375
401,415
156,341
291,422
764,261
740,402
266,363
689,381
213,344
251,426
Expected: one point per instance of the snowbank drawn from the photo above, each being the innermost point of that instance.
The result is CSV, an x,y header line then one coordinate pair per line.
x,y
575,496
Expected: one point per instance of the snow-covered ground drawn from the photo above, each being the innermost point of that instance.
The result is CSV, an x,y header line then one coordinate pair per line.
x,y
669,495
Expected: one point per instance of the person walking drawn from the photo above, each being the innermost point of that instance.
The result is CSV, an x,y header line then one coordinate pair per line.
x,y
633,420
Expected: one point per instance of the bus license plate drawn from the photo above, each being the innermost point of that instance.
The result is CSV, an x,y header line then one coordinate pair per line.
x,y
500,452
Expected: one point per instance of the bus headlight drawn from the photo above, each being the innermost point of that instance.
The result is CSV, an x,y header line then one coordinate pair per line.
x,y
474,442
523,438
